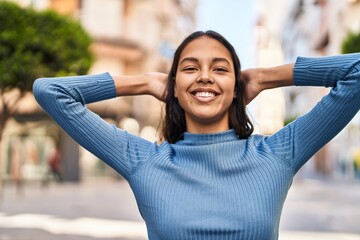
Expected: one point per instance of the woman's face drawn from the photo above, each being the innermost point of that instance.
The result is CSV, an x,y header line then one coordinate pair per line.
x,y
205,85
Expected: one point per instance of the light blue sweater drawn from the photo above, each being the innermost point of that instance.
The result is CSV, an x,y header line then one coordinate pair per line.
x,y
211,186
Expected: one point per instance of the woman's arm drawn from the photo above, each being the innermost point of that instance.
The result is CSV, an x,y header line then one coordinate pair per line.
x,y
302,138
152,83
65,99
260,79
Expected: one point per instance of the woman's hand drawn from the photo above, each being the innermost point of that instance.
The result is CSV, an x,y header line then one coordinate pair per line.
x,y
259,79
252,80
157,83
152,83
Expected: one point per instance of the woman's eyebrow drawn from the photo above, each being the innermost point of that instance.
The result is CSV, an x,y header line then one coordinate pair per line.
x,y
213,60
217,59
191,59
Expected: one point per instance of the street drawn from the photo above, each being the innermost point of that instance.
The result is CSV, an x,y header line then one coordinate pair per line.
x,y
106,209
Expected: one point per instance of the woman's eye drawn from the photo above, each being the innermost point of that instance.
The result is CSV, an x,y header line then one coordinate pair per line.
x,y
220,69
188,69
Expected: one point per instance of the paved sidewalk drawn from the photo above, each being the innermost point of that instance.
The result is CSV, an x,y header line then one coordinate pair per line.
x,y
106,209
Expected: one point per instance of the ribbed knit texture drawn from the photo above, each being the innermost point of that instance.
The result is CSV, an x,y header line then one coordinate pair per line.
x,y
209,186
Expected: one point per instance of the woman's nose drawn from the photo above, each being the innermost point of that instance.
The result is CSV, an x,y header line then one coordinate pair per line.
x,y
204,77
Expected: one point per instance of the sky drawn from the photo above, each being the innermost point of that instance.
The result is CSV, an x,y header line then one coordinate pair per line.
x,y
234,19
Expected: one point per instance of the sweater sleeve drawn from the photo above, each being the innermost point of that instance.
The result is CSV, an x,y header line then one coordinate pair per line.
x,y
65,99
297,142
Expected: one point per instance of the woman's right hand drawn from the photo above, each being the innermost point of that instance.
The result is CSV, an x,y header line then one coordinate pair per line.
x,y
151,83
157,84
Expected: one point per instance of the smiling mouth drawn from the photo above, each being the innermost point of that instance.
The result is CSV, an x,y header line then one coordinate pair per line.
x,y
204,94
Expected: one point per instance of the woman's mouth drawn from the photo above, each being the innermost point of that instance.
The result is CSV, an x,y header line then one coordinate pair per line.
x,y
204,95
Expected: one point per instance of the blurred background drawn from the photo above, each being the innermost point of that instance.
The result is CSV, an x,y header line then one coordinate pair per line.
x,y
51,188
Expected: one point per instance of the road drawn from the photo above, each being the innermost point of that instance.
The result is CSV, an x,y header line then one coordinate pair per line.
x,y
106,209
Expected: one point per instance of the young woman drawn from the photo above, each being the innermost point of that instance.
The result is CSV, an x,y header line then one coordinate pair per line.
x,y
210,178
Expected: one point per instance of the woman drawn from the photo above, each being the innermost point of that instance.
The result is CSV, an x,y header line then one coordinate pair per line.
x,y
211,178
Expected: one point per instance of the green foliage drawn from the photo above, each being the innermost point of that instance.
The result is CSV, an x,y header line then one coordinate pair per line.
x,y
351,43
39,44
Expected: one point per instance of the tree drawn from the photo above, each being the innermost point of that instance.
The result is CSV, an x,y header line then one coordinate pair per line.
x,y
351,43
36,44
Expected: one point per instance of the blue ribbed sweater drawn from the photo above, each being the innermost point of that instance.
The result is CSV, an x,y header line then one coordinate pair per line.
x,y
209,186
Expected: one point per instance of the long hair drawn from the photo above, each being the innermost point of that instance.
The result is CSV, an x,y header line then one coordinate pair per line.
x,y
174,124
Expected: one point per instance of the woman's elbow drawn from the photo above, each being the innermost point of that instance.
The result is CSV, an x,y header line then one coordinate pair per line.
x,y
41,90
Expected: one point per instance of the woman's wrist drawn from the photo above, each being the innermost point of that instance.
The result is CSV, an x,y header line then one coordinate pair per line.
x,y
151,83
130,85
280,76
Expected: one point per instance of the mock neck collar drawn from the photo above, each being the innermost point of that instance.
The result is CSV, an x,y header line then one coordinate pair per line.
x,y
211,138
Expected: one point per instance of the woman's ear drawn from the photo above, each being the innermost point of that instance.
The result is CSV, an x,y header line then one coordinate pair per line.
x,y
235,96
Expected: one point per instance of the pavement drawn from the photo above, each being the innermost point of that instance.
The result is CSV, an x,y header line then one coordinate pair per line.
x,y
105,209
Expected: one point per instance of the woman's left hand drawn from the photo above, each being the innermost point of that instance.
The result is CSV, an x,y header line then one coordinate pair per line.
x,y
252,80
259,79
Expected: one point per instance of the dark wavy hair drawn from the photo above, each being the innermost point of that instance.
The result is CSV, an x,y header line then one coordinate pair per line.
x,y
174,124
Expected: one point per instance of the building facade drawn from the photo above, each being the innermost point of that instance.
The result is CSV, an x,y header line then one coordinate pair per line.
x,y
129,37
314,28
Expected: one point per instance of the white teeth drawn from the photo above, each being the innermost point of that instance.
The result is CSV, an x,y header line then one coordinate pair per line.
x,y
204,94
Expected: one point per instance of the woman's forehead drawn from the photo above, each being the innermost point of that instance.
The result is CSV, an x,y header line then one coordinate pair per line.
x,y
205,48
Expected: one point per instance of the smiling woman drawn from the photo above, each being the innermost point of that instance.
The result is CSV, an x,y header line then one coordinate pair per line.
x,y
205,85
204,89
210,178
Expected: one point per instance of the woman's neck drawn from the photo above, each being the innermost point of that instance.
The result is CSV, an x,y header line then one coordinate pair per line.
x,y
198,127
